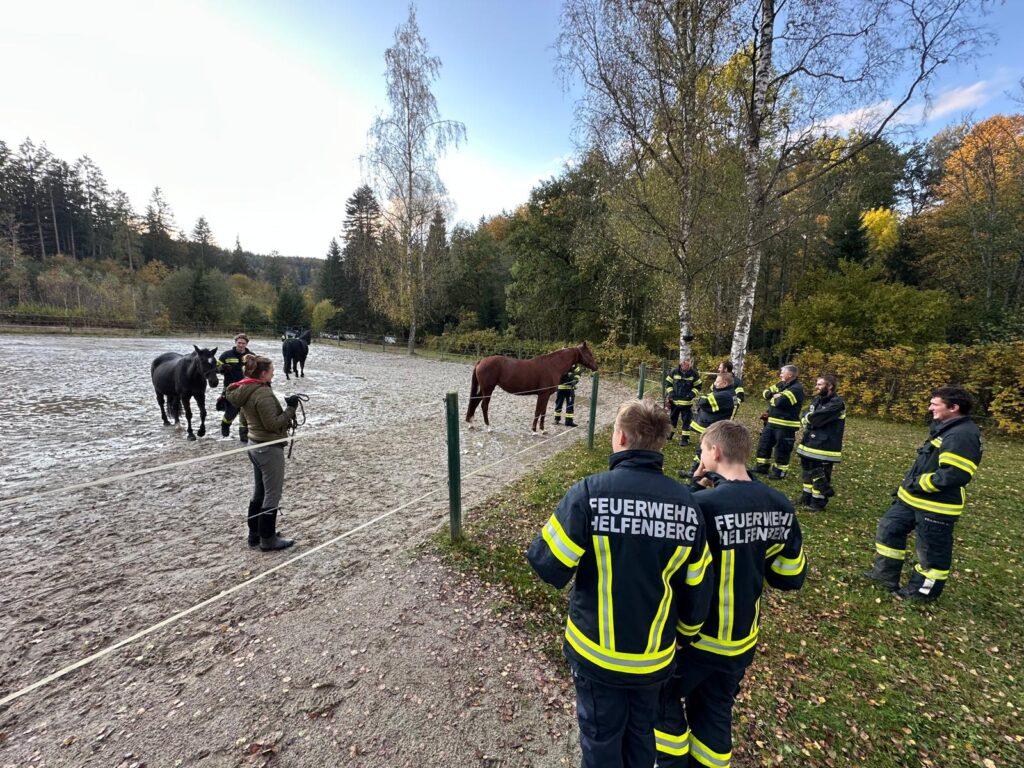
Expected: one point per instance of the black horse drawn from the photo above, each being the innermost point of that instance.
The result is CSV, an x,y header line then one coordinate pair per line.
x,y
181,377
294,352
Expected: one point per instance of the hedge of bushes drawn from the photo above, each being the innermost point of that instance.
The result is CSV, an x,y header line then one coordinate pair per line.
x,y
892,384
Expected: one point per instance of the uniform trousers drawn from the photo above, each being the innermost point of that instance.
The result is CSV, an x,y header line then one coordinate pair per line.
x,y
695,716
616,724
684,414
568,398
782,440
817,480
934,545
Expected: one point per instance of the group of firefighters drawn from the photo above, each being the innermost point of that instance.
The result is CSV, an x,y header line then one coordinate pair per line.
x,y
664,615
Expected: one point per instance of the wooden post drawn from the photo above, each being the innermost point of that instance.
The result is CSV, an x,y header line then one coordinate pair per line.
x,y
593,409
454,467
664,375
640,387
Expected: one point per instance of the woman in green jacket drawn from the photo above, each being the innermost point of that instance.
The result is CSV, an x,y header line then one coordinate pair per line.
x,y
267,421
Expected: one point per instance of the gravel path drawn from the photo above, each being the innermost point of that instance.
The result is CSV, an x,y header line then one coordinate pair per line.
x,y
368,652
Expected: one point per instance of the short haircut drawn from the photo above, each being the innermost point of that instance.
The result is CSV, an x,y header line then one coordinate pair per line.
x,y
242,336
792,369
645,424
728,378
732,439
955,396
254,365
727,364
831,380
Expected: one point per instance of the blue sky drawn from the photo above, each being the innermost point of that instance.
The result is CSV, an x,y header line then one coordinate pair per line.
x,y
254,112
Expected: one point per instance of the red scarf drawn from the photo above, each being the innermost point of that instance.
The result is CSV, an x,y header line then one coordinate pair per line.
x,y
248,381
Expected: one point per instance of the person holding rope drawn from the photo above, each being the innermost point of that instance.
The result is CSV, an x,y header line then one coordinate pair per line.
x,y
267,422
229,365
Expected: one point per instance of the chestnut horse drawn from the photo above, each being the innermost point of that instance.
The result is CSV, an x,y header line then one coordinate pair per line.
x,y
536,376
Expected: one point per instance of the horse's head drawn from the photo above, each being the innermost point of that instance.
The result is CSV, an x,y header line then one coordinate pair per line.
x,y
585,356
306,336
206,360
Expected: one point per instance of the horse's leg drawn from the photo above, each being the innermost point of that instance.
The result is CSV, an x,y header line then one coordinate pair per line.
x,y
541,409
201,402
188,416
163,411
302,363
485,403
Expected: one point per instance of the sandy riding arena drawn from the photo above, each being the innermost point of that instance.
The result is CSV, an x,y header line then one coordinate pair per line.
x,y
365,652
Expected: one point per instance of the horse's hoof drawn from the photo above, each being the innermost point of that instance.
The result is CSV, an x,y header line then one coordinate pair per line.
x,y
202,432
191,436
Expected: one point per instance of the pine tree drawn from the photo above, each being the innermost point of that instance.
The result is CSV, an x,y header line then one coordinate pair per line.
x,y
331,283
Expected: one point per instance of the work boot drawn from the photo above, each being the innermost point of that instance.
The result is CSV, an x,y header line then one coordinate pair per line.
x,y
760,469
253,520
684,441
225,429
275,542
805,500
558,419
886,571
571,423
912,593
776,474
243,434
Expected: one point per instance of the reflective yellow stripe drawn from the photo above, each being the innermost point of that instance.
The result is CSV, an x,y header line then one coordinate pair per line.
x,y
936,441
726,647
695,571
688,629
959,462
932,506
815,453
884,551
788,394
783,422
697,428
561,546
605,615
631,663
670,744
713,402
773,550
808,487
925,481
932,573
725,595
785,566
661,615
707,756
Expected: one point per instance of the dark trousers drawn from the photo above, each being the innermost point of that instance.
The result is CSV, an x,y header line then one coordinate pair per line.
x,y
568,398
616,724
268,482
779,438
817,481
684,414
695,717
934,544
230,412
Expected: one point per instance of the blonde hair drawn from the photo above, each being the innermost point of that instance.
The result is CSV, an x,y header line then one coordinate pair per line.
x,y
254,365
645,425
732,439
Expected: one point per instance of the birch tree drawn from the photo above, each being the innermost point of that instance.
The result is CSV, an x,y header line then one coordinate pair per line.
x,y
809,62
402,157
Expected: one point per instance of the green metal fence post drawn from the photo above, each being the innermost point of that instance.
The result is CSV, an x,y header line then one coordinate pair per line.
x,y
640,387
664,375
593,410
454,467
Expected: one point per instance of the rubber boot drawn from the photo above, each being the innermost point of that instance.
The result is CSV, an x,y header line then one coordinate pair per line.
x,y
269,540
921,589
225,429
243,434
760,469
805,500
253,519
776,474
569,422
886,571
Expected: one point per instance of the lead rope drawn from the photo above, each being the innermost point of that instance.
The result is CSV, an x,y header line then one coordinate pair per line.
x,y
295,420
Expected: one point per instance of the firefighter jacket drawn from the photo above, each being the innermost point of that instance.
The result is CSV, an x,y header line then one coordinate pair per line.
x,y
945,464
785,411
682,386
716,405
571,377
754,538
229,365
823,423
636,541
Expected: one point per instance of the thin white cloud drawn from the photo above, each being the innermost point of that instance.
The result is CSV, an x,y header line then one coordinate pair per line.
x,y
959,100
948,102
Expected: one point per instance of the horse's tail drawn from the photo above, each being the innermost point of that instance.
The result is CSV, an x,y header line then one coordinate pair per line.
x,y
174,406
474,396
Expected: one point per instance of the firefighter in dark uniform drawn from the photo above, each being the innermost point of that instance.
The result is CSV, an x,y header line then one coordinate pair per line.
x,y
681,387
930,500
230,365
636,541
821,446
755,538
737,384
566,394
717,405
783,420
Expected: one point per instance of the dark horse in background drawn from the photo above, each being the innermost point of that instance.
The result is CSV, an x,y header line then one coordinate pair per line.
x,y
181,377
294,352
536,376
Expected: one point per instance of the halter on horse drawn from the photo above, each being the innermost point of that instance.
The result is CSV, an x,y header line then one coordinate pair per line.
x,y
538,375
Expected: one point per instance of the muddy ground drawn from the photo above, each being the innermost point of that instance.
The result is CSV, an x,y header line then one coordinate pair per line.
x,y
369,652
